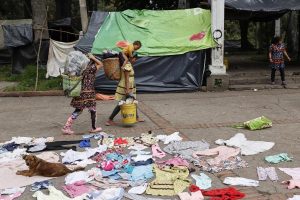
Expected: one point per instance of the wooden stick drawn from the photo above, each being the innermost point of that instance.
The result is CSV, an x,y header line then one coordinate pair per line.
x,y
38,55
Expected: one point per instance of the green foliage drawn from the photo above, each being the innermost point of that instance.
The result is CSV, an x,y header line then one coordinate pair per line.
x,y
140,4
26,80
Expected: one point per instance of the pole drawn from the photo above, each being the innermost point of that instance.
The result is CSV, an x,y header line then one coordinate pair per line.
x,y
83,15
277,27
217,26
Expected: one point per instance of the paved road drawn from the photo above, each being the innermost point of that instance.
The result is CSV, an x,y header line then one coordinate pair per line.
x,y
196,115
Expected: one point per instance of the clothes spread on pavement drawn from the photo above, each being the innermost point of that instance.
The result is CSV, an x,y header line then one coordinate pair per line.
x,y
131,167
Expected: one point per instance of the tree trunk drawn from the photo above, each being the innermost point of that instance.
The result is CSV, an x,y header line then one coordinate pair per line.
x,y
63,9
39,21
27,9
293,35
83,14
244,24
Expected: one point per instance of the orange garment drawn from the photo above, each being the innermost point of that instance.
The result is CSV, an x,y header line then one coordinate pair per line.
x,y
104,97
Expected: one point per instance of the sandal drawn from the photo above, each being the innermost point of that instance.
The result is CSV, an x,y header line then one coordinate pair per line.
x,y
97,130
110,123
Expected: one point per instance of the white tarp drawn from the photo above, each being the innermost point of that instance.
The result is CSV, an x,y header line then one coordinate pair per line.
x,y
58,53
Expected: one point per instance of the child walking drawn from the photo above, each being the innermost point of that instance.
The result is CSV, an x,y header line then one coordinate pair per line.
x,y
87,97
277,52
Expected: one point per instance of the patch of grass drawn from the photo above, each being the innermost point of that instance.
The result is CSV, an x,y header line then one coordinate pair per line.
x,y
26,80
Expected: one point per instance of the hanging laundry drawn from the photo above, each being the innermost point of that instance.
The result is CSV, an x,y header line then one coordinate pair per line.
x,y
186,149
247,147
282,157
239,181
157,152
226,159
264,173
55,194
174,137
202,181
169,181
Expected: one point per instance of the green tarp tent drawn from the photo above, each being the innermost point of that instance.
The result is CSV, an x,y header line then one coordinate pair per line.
x,y
170,60
161,32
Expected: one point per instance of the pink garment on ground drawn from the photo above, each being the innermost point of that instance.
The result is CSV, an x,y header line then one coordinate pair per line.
x,y
193,196
107,165
77,189
293,172
157,152
11,196
292,184
176,161
222,152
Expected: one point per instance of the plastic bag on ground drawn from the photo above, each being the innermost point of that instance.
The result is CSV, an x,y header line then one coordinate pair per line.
x,y
255,124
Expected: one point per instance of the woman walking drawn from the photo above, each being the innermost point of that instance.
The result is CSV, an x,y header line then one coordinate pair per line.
x,y
277,52
126,86
87,99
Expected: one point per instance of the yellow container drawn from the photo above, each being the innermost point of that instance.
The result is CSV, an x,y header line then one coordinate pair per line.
x,y
226,62
128,112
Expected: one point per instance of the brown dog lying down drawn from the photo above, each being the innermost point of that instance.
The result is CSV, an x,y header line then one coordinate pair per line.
x,y
39,167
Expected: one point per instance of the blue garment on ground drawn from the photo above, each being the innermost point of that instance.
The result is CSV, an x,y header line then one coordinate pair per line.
x,y
40,185
142,172
85,143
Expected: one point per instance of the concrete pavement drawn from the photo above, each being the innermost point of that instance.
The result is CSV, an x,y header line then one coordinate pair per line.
x,y
196,115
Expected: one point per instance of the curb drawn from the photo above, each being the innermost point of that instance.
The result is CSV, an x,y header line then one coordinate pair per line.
x,y
32,93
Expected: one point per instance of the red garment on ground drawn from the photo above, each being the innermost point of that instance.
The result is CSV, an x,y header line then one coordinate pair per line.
x,y
220,194
120,141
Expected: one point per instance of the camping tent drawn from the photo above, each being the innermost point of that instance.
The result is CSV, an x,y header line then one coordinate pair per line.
x,y
172,55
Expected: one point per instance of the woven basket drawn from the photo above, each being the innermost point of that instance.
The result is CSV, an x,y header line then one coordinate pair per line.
x,y
111,68
71,85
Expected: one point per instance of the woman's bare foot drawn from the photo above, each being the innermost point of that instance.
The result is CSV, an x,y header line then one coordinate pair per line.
x,y
140,120
110,123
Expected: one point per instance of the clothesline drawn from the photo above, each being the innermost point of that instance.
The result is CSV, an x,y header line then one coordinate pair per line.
x,y
50,29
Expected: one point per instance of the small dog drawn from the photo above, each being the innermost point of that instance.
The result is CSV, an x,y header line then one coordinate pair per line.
x,y
39,167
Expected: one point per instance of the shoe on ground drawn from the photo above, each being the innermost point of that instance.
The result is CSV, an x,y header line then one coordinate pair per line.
x,y
273,83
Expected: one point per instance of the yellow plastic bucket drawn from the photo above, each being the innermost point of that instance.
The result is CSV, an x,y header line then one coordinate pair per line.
x,y
128,112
